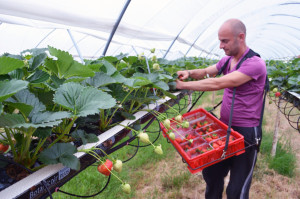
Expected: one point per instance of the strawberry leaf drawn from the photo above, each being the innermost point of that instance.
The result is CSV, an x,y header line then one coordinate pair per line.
x,y
82,101
84,137
9,88
61,153
8,64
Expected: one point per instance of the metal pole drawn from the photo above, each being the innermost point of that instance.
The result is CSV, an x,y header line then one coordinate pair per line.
x,y
115,27
173,42
75,44
45,37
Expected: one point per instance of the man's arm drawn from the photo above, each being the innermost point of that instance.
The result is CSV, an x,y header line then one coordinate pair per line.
x,y
198,73
233,79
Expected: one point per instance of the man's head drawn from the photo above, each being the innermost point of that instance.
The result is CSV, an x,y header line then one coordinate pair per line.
x,y
232,35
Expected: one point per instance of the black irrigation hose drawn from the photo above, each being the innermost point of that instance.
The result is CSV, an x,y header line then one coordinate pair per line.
x,y
70,194
29,171
287,110
148,124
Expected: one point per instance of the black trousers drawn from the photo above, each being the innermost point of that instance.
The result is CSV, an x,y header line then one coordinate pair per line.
x,y
240,167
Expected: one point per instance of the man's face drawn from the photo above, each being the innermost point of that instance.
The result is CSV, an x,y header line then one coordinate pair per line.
x,y
228,42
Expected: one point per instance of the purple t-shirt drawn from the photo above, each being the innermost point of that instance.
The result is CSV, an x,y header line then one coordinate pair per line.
x,y
248,97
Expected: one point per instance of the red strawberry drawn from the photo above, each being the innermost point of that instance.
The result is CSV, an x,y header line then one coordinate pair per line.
x,y
105,168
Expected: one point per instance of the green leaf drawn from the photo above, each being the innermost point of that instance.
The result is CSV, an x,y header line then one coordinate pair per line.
x,y
11,120
8,64
42,132
49,117
162,85
46,119
9,88
100,79
84,137
82,101
110,69
17,74
37,61
61,153
65,66
38,77
27,98
23,108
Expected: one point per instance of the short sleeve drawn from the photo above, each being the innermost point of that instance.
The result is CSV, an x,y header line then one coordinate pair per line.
x,y
253,67
222,62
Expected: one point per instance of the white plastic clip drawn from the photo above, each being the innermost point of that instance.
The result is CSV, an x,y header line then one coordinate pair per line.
x,y
223,155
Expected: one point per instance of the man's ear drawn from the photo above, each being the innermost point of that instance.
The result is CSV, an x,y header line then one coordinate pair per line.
x,y
242,36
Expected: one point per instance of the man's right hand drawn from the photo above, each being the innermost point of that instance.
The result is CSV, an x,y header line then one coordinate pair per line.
x,y
182,75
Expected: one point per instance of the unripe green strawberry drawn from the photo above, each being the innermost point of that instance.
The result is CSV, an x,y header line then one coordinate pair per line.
x,y
118,166
156,66
140,56
158,149
178,118
126,188
144,137
275,90
167,123
153,58
185,124
172,136
152,50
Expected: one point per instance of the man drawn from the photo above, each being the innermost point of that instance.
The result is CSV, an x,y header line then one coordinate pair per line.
x,y
249,80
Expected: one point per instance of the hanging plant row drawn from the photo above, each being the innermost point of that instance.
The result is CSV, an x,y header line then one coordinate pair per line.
x,y
50,104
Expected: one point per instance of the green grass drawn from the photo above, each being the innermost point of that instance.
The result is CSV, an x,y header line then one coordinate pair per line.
x,y
284,161
171,181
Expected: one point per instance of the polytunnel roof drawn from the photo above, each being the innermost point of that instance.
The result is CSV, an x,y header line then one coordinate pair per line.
x,y
185,28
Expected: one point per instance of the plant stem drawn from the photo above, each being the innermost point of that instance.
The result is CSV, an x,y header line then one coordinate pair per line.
x,y
66,131
119,106
11,143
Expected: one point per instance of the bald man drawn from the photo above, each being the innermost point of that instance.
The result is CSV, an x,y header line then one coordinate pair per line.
x,y
249,81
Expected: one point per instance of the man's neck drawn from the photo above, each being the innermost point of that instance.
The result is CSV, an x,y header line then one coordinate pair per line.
x,y
241,53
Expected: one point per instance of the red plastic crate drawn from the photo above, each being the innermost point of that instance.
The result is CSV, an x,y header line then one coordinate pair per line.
x,y
200,153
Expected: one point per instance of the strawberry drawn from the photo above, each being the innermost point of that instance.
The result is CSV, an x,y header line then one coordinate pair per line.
x,y
208,139
172,136
158,149
178,140
156,66
178,118
219,142
167,123
199,124
126,188
4,148
214,136
105,168
118,166
192,152
215,145
152,50
144,137
185,124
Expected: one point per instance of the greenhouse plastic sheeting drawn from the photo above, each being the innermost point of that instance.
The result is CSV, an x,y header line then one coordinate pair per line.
x,y
273,27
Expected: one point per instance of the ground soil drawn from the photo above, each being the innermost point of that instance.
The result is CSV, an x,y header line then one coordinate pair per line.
x,y
161,179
